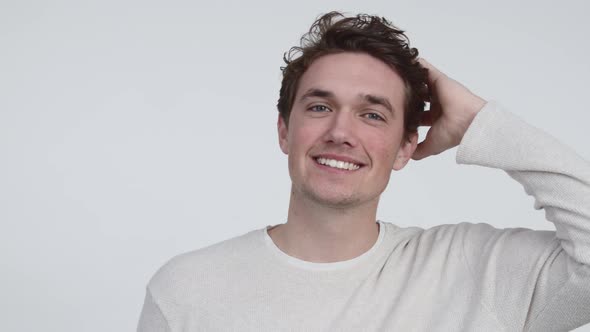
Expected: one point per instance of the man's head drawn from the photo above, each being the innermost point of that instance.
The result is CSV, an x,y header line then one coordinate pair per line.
x,y
334,33
348,110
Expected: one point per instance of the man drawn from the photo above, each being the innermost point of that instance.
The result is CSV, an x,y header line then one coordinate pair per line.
x,y
349,107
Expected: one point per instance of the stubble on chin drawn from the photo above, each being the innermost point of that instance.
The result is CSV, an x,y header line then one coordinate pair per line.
x,y
327,197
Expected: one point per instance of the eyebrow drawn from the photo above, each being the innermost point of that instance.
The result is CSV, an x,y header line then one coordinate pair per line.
x,y
369,98
377,100
313,92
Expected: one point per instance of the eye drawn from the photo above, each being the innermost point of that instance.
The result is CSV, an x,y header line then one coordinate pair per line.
x,y
374,116
319,108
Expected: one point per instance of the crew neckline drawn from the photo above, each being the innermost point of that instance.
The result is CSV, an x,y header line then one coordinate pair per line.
x,y
284,257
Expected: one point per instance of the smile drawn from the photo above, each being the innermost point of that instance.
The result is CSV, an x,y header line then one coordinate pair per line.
x,y
337,164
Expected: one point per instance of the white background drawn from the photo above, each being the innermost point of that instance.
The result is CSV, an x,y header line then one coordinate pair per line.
x,y
132,131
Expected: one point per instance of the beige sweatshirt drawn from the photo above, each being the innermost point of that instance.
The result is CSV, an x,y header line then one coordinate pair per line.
x,y
462,277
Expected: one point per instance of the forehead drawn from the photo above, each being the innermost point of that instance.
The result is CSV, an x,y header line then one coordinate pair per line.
x,y
349,74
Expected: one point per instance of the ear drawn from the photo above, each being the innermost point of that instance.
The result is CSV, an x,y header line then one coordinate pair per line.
x,y
404,154
283,135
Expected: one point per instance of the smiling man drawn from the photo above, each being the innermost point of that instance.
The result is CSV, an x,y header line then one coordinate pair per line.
x,y
351,100
345,133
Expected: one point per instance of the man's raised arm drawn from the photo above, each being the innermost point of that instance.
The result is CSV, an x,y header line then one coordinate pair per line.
x,y
531,280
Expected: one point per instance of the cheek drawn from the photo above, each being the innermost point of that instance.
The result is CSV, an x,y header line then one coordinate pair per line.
x,y
384,150
301,137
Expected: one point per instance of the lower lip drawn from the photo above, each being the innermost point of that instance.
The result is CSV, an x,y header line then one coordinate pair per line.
x,y
333,169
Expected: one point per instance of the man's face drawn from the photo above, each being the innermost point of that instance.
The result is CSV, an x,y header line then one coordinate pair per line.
x,y
345,130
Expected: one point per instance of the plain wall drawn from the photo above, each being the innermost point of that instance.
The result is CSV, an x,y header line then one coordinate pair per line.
x,y
132,131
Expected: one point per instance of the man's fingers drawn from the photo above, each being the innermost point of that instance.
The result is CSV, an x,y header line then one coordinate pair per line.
x,y
430,146
424,149
420,152
433,73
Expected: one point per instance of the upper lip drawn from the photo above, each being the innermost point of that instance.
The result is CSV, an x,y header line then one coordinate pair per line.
x,y
339,157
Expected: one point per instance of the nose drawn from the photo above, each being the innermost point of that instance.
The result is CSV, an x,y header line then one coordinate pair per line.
x,y
341,129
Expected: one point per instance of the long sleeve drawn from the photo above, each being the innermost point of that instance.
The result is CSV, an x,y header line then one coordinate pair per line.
x,y
458,277
152,319
532,280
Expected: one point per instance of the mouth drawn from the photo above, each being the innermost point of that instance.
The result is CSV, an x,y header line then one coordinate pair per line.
x,y
337,163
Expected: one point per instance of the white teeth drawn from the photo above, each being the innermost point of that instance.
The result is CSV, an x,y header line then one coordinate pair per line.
x,y
338,164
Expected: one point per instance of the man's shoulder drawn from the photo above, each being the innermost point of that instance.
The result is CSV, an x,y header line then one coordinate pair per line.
x,y
473,235
483,231
188,272
481,242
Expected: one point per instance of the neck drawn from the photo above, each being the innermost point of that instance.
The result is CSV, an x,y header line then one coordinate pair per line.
x,y
321,234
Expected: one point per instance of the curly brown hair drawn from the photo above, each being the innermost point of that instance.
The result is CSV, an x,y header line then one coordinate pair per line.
x,y
376,36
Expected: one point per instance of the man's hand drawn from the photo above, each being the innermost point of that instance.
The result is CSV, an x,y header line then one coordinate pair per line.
x,y
452,109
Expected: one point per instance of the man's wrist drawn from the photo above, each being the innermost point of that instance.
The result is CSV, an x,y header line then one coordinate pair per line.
x,y
472,111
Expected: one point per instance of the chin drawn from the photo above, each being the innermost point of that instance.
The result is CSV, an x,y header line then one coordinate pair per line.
x,y
334,199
